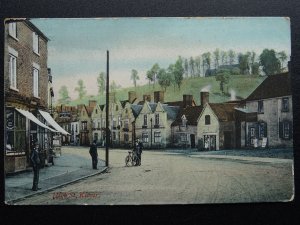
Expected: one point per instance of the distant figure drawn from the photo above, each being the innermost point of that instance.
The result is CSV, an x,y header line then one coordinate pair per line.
x,y
35,160
94,154
139,148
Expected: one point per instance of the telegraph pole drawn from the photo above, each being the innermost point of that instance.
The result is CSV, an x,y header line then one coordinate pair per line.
x,y
107,111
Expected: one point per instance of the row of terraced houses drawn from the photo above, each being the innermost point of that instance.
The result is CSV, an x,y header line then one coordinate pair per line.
x,y
264,116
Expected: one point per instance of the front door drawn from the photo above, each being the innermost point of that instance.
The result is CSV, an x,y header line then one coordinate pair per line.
x,y
192,137
227,140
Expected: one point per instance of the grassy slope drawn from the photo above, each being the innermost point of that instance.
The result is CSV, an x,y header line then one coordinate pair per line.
x,y
242,84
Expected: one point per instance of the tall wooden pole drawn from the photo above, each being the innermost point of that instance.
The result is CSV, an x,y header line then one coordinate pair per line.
x,y
107,142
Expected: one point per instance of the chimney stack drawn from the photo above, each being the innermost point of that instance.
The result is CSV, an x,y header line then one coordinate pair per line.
x,y
112,97
92,103
187,100
158,96
147,97
131,96
204,97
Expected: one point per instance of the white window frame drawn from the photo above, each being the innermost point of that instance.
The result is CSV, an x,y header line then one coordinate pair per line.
x,y
157,137
157,119
13,71
145,137
36,73
12,30
35,43
183,137
286,130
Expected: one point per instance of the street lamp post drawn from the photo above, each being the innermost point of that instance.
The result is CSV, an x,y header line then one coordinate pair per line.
x,y
107,110
151,130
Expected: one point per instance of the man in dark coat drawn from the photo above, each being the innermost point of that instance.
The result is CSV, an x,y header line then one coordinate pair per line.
x,y
139,150
94,154
35,160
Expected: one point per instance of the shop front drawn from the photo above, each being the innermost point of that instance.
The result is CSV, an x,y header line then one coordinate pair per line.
x,y
22,129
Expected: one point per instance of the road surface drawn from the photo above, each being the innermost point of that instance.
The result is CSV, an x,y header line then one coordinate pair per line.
x,y
174,178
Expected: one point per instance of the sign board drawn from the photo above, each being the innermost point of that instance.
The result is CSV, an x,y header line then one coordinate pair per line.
x,y
255,142
264,142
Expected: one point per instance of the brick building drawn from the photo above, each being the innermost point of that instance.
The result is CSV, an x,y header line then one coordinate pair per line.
x,y
26,92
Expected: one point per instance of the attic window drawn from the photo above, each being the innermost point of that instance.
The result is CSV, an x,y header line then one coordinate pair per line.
x,y
183,120
207,120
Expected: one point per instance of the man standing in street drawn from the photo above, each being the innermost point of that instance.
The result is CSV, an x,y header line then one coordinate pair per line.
x,y
94,154
140,150
35,160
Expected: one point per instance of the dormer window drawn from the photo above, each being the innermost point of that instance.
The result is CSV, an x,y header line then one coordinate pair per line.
x,y
183,121
207,120
145,120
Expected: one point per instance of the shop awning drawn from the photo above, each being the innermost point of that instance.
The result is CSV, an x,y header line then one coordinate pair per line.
x,y
52,122
30,116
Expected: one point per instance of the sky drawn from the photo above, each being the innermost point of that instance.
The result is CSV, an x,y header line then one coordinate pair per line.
x,y
77,47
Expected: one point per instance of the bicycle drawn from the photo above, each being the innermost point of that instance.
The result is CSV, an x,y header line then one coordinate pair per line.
x,y
132,158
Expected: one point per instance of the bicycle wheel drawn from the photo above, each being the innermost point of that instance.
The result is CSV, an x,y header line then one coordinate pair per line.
x,y
127,160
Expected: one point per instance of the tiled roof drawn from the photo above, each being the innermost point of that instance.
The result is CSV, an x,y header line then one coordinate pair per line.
x,y
153,106
89,110
191,113
273,86
123,103
224,111
172,111
136,109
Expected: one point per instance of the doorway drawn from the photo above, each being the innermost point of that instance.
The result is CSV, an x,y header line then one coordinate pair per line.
x,y
227,140
210,142
192,138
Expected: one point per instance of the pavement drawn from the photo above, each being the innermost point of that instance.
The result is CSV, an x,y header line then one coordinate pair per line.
x,y
68,168
283,155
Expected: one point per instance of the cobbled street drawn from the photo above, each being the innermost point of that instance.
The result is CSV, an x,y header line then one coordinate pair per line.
x,y
174,178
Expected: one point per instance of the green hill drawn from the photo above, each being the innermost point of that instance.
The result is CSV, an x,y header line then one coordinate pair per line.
x,y
242,85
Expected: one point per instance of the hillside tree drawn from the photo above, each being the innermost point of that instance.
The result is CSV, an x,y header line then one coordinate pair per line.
x,y
186,67
64,95
231,55
223,57
192,66
152,73
80,89
198,66
244,61
269,62
178,72
134,76
164,79
223,77
216,58
101,83
282,57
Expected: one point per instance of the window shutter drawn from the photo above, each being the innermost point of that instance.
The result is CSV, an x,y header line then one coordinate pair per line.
x,y
265,130
281,129
290,130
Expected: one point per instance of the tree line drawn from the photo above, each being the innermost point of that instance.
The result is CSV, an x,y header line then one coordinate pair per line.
x,y
219,63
